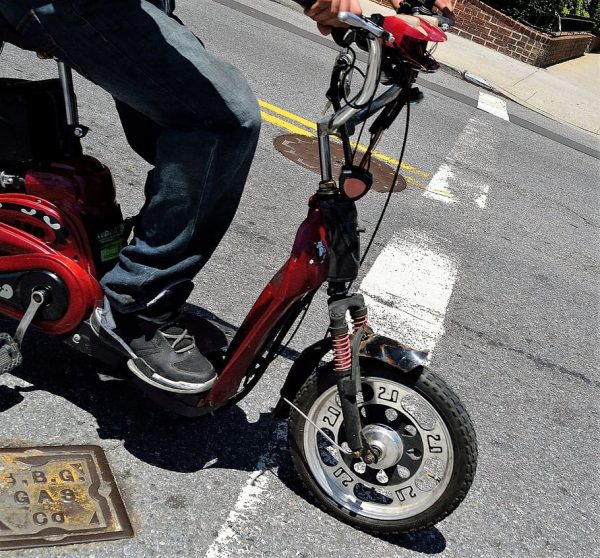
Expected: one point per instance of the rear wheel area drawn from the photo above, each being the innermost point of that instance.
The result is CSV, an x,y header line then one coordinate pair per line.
x,y
424,436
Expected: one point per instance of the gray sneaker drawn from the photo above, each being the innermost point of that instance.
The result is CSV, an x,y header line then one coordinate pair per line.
x,y
160,349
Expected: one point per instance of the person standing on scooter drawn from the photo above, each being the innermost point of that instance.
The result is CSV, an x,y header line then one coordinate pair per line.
x,y
194,118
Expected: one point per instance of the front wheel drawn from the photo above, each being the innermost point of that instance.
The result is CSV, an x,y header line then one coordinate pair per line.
x,y
426,443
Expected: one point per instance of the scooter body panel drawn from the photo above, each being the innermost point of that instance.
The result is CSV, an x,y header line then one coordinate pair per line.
x,y
305,271
50,225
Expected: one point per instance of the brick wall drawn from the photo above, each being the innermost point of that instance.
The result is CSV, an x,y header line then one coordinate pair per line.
x,y
482,24
594,45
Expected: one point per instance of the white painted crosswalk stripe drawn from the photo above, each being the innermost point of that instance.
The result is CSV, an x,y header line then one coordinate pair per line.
x,y
248,502
438,188
461,178
494,105
408,289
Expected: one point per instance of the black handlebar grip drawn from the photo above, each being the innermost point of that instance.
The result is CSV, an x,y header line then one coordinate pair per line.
x,y
338,34
449,15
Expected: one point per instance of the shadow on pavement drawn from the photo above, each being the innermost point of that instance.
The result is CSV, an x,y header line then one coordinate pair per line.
x,y
430,541
225,440
123,413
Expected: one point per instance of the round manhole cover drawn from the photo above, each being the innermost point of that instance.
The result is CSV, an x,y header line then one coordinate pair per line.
x,y
304,151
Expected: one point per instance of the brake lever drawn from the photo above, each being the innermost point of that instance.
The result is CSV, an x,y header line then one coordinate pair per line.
x,y
360,22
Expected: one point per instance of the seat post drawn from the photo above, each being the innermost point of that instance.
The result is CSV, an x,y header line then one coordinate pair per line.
x,y
72,114
78,131
66,82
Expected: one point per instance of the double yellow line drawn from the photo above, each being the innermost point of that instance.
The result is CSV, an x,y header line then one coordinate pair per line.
x,y
289,121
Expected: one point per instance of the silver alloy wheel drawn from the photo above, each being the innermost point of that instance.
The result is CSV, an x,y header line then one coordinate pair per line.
x,y
414,442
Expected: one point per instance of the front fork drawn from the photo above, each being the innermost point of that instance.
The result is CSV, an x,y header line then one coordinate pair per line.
x,y
346,348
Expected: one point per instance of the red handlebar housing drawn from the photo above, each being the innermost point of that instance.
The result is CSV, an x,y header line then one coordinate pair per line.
x,y
404,32
411,41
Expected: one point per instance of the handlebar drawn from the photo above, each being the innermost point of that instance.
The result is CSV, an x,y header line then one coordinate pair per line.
x,y
373,48
375,35
366,104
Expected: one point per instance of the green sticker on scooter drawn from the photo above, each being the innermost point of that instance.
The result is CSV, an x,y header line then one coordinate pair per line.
x,y
110,250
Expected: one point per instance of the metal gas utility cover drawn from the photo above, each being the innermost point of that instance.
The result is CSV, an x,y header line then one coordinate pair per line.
x,y
58,495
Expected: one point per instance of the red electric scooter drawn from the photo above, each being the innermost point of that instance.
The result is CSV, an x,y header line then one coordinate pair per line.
x,y
380,441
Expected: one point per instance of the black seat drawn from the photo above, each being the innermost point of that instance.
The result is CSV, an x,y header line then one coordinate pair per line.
x,y
9,35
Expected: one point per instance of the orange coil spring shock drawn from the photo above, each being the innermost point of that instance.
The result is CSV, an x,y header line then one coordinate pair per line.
x,y
360,322
342,352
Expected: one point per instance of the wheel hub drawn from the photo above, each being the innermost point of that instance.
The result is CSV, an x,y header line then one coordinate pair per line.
x,y
386,443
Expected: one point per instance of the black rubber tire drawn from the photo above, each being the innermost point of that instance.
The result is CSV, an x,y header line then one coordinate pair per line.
x,y
447,404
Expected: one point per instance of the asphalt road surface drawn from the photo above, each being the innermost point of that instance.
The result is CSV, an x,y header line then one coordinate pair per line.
x,y
499,218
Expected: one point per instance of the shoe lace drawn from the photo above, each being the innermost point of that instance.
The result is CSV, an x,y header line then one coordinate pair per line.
x,y
174,339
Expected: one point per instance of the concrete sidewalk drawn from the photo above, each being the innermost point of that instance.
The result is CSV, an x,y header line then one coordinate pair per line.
x,y
567,92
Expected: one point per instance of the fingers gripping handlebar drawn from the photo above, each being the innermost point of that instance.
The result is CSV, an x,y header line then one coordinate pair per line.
x,y
423,9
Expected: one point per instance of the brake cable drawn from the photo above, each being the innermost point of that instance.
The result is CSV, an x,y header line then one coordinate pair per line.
x,y
394,110
362,128
392,187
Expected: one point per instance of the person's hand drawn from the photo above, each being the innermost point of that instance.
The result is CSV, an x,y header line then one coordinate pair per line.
x,y
446,7
325,12
442,5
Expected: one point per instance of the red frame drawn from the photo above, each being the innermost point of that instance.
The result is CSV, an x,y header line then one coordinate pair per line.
x,y
305,271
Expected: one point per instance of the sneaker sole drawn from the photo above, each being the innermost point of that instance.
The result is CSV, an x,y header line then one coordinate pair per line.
x,y
158,381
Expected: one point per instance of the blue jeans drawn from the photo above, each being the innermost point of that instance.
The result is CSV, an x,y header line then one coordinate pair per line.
x,y
188,113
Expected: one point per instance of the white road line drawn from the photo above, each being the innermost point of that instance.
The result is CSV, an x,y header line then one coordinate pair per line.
x,y
481,201
462,177
228,540
408,289
494,105
438,188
